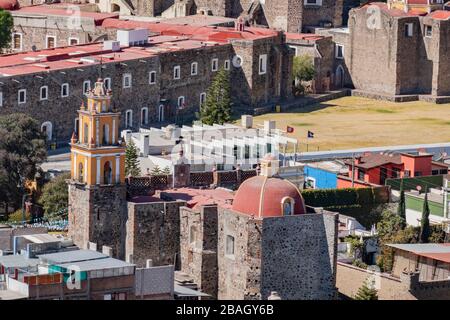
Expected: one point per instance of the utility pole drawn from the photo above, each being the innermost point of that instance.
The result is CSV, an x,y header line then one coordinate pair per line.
x,y
353,170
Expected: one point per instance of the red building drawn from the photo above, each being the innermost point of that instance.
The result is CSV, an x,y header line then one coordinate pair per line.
x,y
373,169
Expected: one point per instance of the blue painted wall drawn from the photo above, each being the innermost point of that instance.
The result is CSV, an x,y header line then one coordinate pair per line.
x,y
324,179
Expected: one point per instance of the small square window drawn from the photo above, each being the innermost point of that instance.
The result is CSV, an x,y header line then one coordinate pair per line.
x,y
339,51
409,28
44,93
73,41
226,65
86,86
65,90
214,65
176,72
127,80
152,77
194,69
181,102
202,98
51,42
428,31
22,96
17,41
263,64
229,247
107,83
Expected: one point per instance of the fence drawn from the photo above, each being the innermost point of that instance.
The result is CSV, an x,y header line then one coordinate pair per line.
x,y
139,186
412,183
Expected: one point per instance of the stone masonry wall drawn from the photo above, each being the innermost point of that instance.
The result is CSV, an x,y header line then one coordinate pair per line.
x,y
153,232
299,256
62,112
330,11
98,214
198,245
239,274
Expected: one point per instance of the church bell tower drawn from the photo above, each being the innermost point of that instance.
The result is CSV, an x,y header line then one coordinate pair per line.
x,y
97,191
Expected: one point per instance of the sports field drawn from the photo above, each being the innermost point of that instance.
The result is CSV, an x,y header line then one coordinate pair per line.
x,y
353,122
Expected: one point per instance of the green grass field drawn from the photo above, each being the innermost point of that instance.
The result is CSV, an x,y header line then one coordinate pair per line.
x,y
353,122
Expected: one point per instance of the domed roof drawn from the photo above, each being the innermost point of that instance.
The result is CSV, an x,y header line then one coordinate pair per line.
x,y
9,4
263,196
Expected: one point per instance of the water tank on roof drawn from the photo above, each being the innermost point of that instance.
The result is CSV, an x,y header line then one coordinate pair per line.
x,y
132,37
111,45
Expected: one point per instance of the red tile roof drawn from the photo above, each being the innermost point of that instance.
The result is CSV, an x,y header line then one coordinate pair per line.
x,y
69,57
9,4
440,15
51,11
394,12
209,33
202,197
303,36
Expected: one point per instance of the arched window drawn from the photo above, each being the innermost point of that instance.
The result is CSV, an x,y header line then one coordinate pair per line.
x,y
77,126
129,119
80,173
161,113
47,129
105,134
339,78
107,173
287,205
144,116
86,133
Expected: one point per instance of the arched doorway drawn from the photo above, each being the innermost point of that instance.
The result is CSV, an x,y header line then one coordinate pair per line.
x,y
47,129
339,77
107,173
105,139
161,113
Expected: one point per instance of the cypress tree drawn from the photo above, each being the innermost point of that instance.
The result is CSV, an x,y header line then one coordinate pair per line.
x,y
425,222
131,160
217,106
366,292
401,210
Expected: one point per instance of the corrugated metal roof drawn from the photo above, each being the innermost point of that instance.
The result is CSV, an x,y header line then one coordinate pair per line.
x,y
17,261
423,247
71,256
41,238
187,292
96,264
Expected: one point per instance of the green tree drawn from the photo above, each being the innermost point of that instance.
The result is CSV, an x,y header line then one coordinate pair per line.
x,y
303,68
401,210
132,160
366,292
156,170
6,26
55,195
166,170
389,224
22,150
217,106
425,222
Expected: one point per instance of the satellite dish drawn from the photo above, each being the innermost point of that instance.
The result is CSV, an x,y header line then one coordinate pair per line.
x,y
419,188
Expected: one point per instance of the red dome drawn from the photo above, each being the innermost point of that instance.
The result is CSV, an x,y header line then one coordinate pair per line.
x,y
9,4
264,197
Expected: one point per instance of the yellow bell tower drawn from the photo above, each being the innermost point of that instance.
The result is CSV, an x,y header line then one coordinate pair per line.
x,y
98,157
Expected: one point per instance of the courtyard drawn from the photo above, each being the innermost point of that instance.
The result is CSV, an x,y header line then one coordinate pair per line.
x,y
354,122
